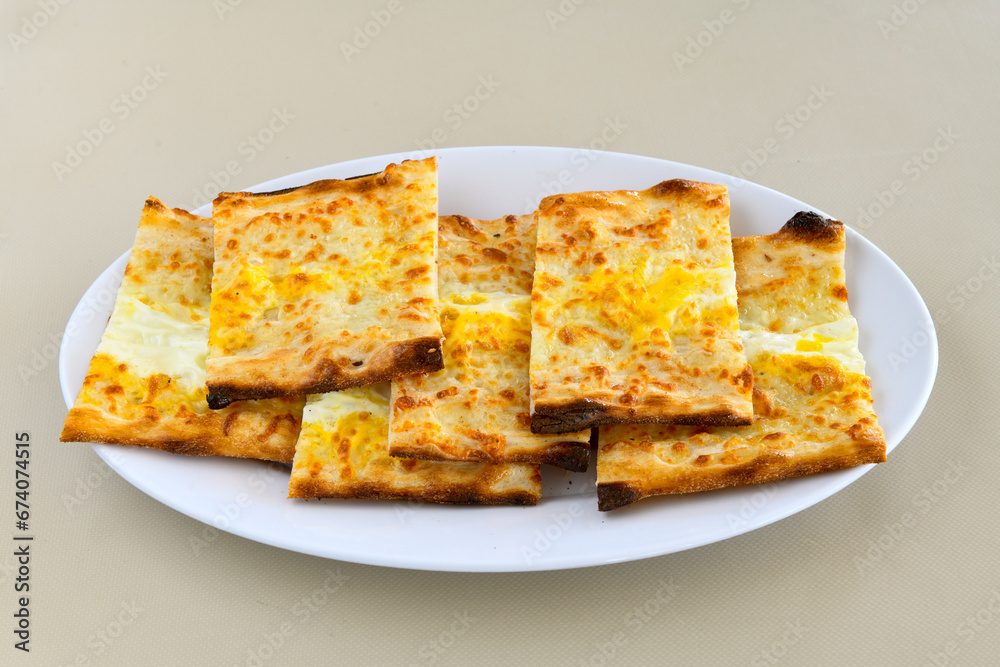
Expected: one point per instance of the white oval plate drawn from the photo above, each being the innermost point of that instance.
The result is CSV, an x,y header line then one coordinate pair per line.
x,y
565,529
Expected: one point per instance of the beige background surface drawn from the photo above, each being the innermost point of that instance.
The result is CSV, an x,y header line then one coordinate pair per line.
x,y
844,582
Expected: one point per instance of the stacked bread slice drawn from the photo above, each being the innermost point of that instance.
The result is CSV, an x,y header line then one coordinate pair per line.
x,y
447,358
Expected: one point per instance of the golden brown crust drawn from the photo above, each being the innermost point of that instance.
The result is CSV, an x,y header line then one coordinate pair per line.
x,y
486,256
343,452
145,384
767,467
391,361
447,494
571,455
634,313
793,278
242,433
326,286
812,404
586,414
477,407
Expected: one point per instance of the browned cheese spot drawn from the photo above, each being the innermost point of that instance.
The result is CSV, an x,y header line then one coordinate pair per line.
x,y
417,272
494,254
227,425
404,403
744,379
445,393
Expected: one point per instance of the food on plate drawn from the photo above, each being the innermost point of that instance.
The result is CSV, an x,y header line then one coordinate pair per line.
x,y
145,385
812,400
343,452
477,407
387,353
326,286
634,315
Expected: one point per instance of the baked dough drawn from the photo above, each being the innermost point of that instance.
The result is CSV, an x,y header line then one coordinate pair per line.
x,y
634,311
343,453
327,286
145,385
812,400
477,407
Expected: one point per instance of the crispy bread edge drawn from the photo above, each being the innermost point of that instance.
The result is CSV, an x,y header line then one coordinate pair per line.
x,y
417,355
577,415
452,495
771,467
572,456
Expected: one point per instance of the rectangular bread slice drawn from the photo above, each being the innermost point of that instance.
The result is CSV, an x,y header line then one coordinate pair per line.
x,y
327,286
812,400
343,452
477,407
634,314
145,385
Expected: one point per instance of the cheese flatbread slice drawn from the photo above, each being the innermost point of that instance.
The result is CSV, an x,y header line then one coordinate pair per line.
x,y
324,287
486,256
146,383
812,400
343,453
634,310
477,407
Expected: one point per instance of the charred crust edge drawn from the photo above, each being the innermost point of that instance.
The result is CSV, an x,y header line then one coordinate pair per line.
x,y
613,495
220,396
568,417
359,183
448,496
680,186
579,415
764,469
810,227
572,456
154,204
418,355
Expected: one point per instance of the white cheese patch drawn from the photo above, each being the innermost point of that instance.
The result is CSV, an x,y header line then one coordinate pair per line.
x,y
837,340
152,342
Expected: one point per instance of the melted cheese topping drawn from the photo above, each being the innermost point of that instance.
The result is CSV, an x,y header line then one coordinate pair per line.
x,y
146,384
343,452
662,306
836,340
477,407
154,342
634,306
346,429
311,285
486,256
484,326
812,401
